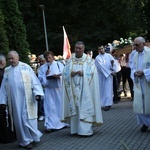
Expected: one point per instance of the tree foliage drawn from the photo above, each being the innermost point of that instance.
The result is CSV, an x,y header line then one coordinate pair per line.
x,y
93,22
15,28
3,38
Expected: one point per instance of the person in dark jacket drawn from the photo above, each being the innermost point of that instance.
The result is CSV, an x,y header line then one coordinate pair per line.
x,y
6,135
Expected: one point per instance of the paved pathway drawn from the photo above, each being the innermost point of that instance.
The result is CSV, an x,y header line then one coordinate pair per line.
x,y
119,132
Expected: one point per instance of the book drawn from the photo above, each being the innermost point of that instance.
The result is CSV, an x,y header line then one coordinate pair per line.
x,y
57,76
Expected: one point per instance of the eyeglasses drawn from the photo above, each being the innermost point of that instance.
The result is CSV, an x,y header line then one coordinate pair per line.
x,y
136,44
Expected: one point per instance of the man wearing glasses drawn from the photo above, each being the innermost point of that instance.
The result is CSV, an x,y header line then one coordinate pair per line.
x,y
141,77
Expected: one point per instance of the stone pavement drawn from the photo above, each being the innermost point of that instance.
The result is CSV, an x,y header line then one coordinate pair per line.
x,y
119,132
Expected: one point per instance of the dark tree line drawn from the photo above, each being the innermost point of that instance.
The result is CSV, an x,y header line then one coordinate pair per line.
x,y
13,29
94,22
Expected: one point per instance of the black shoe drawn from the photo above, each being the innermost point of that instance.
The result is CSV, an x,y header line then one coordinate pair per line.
x,y
48,131
29,146
85,136
54,130
106,108
115,102
144,128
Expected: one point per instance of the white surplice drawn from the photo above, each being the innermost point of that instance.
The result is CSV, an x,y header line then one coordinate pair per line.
x,y
19,88
105,68
81,105
53,95
141,104
131,56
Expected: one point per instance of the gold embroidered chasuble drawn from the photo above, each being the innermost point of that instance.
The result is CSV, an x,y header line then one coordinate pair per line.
x,y
86,98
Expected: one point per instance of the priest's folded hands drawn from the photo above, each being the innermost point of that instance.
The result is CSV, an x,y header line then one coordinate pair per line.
x,y
73,73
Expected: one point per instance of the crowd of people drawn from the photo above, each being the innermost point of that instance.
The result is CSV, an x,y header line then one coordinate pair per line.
x,y
71,94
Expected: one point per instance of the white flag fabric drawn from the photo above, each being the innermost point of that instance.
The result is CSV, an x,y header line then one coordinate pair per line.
x,y
66,46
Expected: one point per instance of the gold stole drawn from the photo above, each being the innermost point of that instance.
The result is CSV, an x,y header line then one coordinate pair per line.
x,y
26,76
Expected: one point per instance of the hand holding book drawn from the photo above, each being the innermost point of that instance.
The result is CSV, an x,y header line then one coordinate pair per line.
x,y
54,76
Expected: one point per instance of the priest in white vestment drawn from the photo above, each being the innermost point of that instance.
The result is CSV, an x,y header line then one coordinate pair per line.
x,y
140,74
81,105
50,77
20,89
105,67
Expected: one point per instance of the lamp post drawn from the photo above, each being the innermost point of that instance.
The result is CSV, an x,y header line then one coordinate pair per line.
x,y
46,41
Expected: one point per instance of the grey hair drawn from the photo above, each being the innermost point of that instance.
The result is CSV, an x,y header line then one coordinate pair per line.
x,y
2,57
41,56
13,52
80,43
141,39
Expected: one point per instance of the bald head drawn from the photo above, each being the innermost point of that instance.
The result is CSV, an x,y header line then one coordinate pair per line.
x,y
13,53
140,39
139,43
13,58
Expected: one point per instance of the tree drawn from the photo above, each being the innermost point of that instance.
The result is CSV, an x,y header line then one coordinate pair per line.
x,y
145,22
3,38
94,22
15,29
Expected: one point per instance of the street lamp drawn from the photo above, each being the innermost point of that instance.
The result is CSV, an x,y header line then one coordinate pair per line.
x,y
46,41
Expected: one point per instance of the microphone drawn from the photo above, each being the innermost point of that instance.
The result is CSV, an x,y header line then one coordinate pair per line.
x,y
48,67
